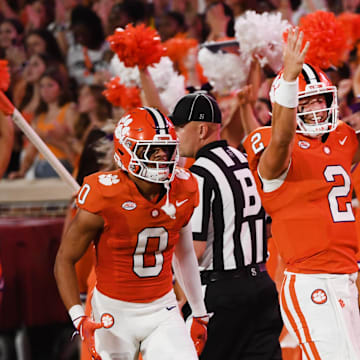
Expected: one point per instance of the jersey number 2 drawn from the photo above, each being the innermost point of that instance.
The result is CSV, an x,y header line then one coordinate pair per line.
x,y
339,191
139,267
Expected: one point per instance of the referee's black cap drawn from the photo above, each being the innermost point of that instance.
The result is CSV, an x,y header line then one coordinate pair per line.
x,y
197,106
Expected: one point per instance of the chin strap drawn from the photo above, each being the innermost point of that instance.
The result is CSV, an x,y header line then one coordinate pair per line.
x,y
168,208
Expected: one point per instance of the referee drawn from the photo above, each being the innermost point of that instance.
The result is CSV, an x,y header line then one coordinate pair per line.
x,y
230,241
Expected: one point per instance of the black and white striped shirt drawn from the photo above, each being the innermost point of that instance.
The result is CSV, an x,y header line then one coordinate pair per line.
x,y
230,216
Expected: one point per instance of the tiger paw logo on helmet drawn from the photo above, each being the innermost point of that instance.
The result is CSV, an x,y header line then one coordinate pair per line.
x,y
122,127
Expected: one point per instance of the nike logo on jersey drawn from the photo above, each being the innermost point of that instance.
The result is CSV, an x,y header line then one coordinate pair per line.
x,y
179,203
342,142
170,307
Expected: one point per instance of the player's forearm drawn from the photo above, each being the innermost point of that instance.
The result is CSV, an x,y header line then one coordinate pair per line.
x,y
276,158
66,280
192,284
188,267
283,125
152,95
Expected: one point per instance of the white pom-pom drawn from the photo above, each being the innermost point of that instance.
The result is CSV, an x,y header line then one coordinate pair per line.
x,y
129,76
261,35
226,72
170,84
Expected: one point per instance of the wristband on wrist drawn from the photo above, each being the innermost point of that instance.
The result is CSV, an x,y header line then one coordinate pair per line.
x,y
76,313
287,93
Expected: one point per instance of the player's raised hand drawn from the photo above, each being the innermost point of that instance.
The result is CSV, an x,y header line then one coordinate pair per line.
x,y
294,54
86,330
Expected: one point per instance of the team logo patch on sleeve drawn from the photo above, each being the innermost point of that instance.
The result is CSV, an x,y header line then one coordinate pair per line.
x,y
107,320
319,296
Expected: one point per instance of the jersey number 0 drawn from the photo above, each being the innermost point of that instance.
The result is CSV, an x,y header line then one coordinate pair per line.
x,y
144,236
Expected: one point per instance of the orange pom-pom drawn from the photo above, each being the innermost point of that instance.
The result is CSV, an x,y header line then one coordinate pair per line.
x,y
4,75
120,95
139,45
350,24
328,45
177,48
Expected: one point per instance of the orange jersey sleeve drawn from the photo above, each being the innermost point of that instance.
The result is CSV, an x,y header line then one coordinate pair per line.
x,y
134,252
255,143
356,181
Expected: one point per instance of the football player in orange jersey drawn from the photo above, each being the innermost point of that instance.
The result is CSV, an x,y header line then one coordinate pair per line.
x,y
302,168
138,216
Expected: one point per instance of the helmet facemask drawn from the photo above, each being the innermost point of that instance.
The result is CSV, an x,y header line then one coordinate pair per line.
x,y
158,171
318,126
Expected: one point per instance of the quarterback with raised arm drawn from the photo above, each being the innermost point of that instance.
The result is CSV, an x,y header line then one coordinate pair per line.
x,y
301,165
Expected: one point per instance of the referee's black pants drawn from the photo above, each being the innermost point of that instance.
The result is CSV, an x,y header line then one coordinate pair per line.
x,y
247,323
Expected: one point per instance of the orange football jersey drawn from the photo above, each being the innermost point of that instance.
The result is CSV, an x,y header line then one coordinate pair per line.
x,y
313,224
134,252
356,181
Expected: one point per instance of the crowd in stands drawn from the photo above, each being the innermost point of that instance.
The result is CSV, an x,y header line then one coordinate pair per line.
x,y
58,55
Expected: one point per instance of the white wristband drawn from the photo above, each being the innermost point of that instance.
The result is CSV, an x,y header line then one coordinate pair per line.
x,y
287,93
76,312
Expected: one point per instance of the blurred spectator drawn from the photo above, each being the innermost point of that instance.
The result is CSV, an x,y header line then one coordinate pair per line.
x,y
27,98
160,7
11,33
35,15
262,111
11,46
306,7
86,58
60,27
238,6
198,28
103,8
10,10
170,24
53,123
338,6
40,41
220,20
94,111
126,12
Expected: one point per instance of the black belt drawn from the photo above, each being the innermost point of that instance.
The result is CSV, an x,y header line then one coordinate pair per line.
x,y
211,276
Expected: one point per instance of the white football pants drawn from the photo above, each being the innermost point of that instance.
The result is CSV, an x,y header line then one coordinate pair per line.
x,y
321,311
155,329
